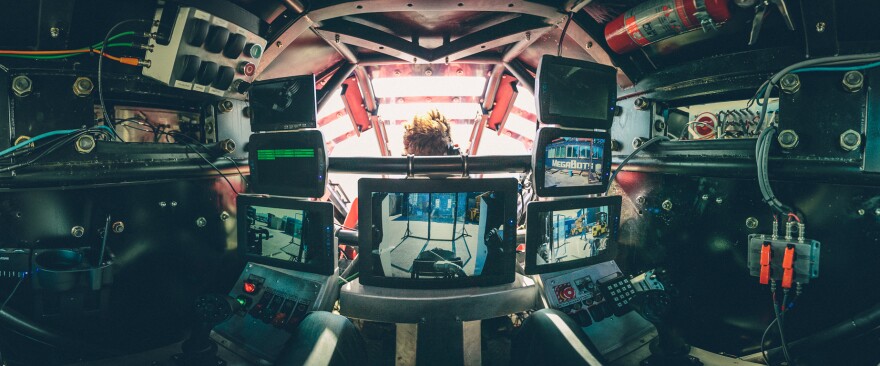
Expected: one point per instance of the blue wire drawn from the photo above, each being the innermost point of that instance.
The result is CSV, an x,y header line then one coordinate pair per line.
x,y
48,134
839,68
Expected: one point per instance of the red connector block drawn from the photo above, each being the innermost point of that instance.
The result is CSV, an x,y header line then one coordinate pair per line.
x,y
788,266
766,254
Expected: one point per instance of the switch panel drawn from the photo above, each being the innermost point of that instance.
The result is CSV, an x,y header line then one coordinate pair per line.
x,y
203,53
789,259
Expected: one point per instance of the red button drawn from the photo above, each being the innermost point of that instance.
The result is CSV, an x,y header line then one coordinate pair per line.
x,y
250,287
247,68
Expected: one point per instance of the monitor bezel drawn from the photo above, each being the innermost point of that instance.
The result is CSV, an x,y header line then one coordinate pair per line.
x,y
285,125
324,209
607,75
548,134
533,237
366,188
316,141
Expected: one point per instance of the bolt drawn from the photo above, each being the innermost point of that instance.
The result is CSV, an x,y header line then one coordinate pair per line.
x,y
54,32
853,81
861,212
22,86
246,112
429,72
615,145
85,144
790,83
820,27
459,72
666,205
638,141
659,125
641,104
225,106
201,222
456,100
850,140
589,45
118,227
641,200
751,223
162,204
788,139
336,38
719,200
173,203
224,216
528,36
228,146
705,197
396,72
77,231
278,44
877,212
82,87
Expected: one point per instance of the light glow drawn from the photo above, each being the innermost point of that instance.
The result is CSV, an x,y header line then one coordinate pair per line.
x,y
429,86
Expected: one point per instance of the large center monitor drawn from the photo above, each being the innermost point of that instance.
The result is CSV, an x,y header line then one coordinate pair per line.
x,y
433,233
575,93
287,233
571,162
571,233
283,104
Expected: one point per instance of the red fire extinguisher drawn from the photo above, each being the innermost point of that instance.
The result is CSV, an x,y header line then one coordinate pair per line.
x,y
659,19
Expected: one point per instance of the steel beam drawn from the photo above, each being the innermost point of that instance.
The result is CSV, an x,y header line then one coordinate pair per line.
x,y
522,74
334,83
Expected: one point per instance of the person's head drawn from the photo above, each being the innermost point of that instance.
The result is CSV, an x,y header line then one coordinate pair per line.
x,y
428,134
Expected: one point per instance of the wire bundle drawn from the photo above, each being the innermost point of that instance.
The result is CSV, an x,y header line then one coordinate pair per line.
x,y
59,54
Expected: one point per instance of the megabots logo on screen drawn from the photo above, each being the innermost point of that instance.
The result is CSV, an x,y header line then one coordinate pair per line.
x,y
573,164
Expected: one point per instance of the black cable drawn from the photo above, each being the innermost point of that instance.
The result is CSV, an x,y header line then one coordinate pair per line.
x,y
781,331
212,166
107,118
9,297
208,150
562,36
632,154
69,138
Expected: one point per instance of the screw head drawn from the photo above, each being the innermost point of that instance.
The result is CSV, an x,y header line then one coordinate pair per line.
x,y
224,216
77,231
751,223
666,205
638,141
641,200
173,203
22,86
788,139
820,27
83,86
790,83
877,211
118,227
201,222
228,146
54,32
163,204
850,140
659,125
589,44
429,72
719,200
85,144
853,81
641,103
861,212
705,197
225,106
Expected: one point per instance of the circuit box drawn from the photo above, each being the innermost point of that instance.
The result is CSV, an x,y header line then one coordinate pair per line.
x,y
804,261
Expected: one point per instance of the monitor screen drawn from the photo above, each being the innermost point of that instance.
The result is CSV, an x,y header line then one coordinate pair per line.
x,y
571,233
287,233
283,104
438,233
288,163
571,162
575,93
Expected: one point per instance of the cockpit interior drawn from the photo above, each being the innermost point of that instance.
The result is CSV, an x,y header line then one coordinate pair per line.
x,y
443,182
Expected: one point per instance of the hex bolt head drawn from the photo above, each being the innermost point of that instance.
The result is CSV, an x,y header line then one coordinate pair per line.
x,y
820,27
641,104
705,197
118,227
788,139
853,81
77,231
224,216
659,125
83,86
641,200
861,212
163,204
877,212
228,146
225,106
22,86
752,223
638,141
85,144
201,222
719,200
173,203
790,83
850,140
666,205
429,72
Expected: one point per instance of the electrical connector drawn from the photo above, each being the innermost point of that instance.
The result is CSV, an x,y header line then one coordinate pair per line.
x,y
134,61
147,47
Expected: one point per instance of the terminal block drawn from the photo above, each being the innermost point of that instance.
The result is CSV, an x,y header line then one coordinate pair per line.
x,y
784,259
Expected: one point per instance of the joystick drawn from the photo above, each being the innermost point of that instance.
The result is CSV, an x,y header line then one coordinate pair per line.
x,y
669,349
199,349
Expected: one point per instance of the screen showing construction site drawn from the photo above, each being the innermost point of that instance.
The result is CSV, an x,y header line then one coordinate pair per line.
x,y
442,236
571,162
286,233
571,233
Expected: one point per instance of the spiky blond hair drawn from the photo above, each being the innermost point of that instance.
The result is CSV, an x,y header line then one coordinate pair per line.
x,y
427,134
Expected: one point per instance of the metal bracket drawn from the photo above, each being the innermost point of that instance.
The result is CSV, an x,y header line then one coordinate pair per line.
x,y
409,165
464,166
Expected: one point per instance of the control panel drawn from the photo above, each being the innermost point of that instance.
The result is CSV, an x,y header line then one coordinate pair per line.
x,y
273,303
203,52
